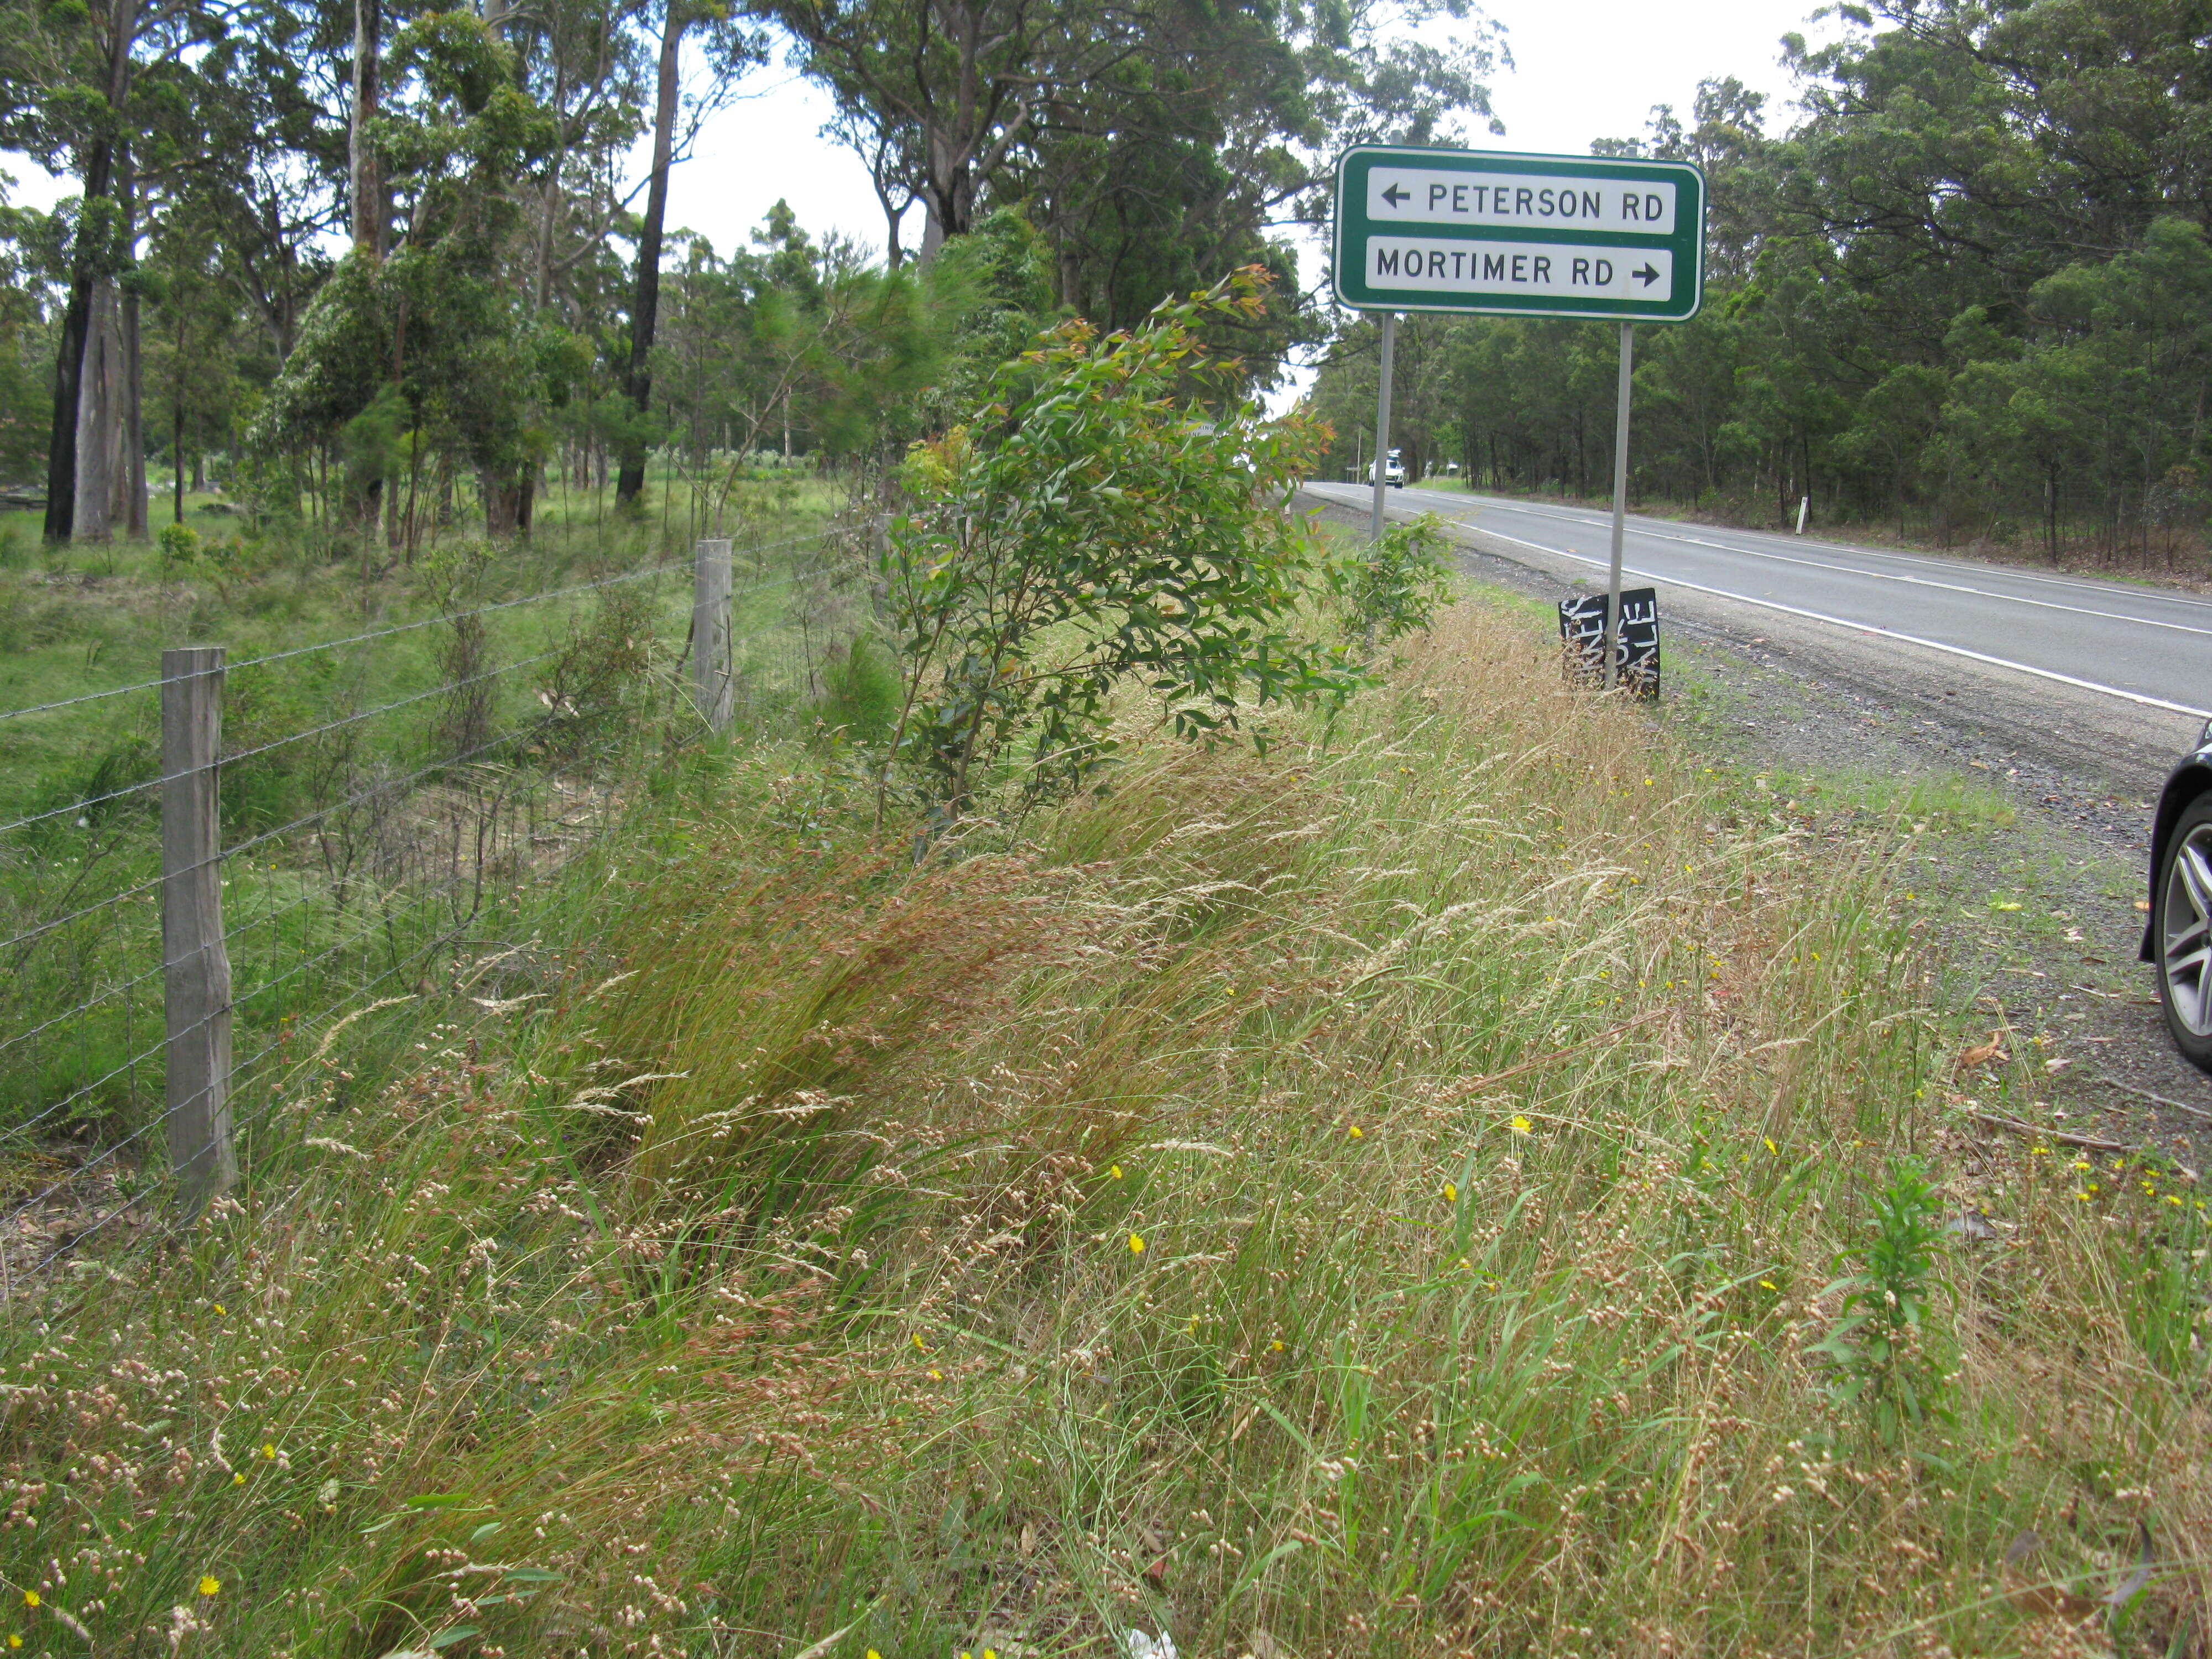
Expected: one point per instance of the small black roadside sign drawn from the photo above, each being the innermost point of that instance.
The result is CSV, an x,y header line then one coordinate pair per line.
x,y
1581,636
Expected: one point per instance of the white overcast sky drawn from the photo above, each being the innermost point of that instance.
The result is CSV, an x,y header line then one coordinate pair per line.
x,y
1583,70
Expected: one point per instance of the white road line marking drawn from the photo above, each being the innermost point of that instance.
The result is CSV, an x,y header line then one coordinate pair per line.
x,y
1869,628
1595,521
1922,582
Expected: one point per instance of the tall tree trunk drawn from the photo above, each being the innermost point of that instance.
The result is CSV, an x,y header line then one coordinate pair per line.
x,y
365,178
645,309
69,385
134,424
132,476
69,360
95,438
177,422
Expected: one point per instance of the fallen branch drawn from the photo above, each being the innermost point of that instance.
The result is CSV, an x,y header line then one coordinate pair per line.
x,y
2088,1143
2178,1105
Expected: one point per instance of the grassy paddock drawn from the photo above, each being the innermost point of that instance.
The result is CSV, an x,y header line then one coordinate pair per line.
x,y
1379,1200
412,820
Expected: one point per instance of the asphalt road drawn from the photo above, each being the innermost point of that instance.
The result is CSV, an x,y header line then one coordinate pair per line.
x,y
2137,644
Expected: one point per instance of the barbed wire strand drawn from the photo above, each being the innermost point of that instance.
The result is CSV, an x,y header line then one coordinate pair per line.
x,y
75,916
419,901
90,801
385,708
17,1131
89,696
507,604
92,1001
161,1118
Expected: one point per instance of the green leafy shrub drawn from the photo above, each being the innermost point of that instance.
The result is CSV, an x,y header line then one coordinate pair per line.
x,y
180,544
1095,527
1392,587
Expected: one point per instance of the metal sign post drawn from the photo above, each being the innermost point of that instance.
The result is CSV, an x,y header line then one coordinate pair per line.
x,y
1382,424
1491,233
1612,645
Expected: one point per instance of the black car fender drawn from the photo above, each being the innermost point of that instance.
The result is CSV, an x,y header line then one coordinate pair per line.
x,y
2184,784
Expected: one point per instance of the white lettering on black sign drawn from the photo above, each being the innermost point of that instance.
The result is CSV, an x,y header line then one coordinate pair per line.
x,y
1582,633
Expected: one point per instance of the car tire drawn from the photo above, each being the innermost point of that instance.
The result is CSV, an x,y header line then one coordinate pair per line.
x,y
2181,931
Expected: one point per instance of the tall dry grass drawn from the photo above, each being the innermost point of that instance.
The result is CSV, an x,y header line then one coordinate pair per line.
x,y
1380,1199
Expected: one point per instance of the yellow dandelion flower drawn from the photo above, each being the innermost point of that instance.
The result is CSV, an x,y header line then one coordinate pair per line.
x,y
30,1598
1136,1245
209,1584
238,1478
220,1308
1767,1285
935,1374
1276,1346
1113,1172
269,1450
1521,1126
1451,1192
1770,1147
1356,1132
14,1640
920,1346
873,1654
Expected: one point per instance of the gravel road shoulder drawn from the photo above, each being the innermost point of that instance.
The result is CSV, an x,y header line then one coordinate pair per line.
x,y
2032,802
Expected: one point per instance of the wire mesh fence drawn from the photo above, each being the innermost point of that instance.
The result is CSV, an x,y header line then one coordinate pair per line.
x,y
375,804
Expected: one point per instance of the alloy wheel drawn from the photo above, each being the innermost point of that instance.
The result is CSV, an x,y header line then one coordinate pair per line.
x,y
2185,941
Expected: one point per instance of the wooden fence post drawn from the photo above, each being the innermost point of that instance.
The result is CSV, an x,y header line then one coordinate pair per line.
x,y
714,689
196,965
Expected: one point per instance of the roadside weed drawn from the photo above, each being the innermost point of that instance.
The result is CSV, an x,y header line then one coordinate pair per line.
x,y
1891,1358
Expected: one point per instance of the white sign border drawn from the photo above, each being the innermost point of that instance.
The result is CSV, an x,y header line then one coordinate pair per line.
x,y
1337,228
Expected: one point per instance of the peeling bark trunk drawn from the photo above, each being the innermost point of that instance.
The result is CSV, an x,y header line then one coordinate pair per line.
x,y
645,308
130,476
365,177
69,388
63,490
95,438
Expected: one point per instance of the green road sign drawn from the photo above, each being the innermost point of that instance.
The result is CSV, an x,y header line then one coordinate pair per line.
x,y
1529,235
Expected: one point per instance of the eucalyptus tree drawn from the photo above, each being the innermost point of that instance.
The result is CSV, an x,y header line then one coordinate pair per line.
x,y
72,73
434,333
953,86
732,48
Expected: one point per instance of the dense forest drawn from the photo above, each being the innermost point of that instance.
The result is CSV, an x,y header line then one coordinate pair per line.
x,y
379,265
1968,297
382,263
